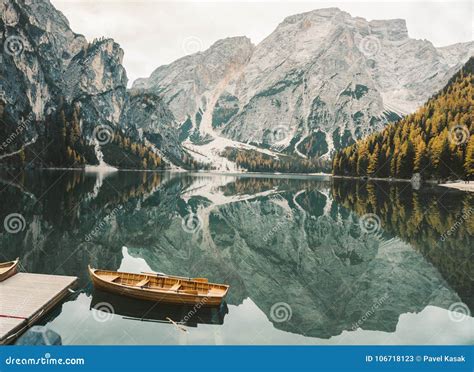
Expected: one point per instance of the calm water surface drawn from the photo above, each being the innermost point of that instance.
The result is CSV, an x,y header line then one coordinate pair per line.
x,y
309,260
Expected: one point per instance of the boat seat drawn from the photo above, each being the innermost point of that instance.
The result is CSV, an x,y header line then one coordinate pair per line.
x,y
175,287
142,283
112,278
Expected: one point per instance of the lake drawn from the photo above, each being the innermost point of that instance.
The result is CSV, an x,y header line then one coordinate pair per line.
x,y
310,260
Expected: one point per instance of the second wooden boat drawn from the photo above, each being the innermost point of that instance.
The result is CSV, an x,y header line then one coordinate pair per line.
x,y
159,287
8,269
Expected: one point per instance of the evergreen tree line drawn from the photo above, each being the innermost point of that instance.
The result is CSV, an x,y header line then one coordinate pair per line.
x,y
62,144
437,141
255,161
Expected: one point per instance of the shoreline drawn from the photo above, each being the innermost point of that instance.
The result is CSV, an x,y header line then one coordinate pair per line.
x,y
96,169
468,187
431,182
456,185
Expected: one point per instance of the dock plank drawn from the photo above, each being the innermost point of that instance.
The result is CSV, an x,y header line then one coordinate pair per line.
x,y
26,297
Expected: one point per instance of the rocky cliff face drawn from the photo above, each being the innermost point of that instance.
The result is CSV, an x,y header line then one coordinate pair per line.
x,y
319,81
45,64
97,81
46,67
154,122
190,83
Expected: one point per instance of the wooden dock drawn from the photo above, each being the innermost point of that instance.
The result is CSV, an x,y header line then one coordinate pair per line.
x,y
25,298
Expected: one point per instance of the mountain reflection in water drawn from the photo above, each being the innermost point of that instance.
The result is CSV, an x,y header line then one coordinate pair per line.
x,y
292,249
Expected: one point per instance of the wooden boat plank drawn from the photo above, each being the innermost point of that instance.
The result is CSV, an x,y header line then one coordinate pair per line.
x,y
143,283
175,287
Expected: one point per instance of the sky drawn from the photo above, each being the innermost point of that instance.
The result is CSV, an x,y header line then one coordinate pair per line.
x,y
156,32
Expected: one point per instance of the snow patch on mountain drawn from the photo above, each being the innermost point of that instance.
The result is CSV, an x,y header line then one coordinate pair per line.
x,y
321,80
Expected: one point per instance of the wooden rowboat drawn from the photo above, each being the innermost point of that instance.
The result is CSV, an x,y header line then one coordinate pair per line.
x,y
8,269
160,287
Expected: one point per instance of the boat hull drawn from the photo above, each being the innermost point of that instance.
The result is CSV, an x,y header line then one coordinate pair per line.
x,y
155,295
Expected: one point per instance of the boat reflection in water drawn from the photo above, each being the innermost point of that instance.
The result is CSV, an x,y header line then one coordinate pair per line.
x,y
148,311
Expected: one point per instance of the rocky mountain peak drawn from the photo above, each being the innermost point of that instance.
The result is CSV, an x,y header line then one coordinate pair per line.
x,y
232,42
190,80
392,29
323,14
320,80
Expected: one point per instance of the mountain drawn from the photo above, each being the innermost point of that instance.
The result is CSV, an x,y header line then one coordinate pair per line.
x,y
436,141
320,81
64,101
